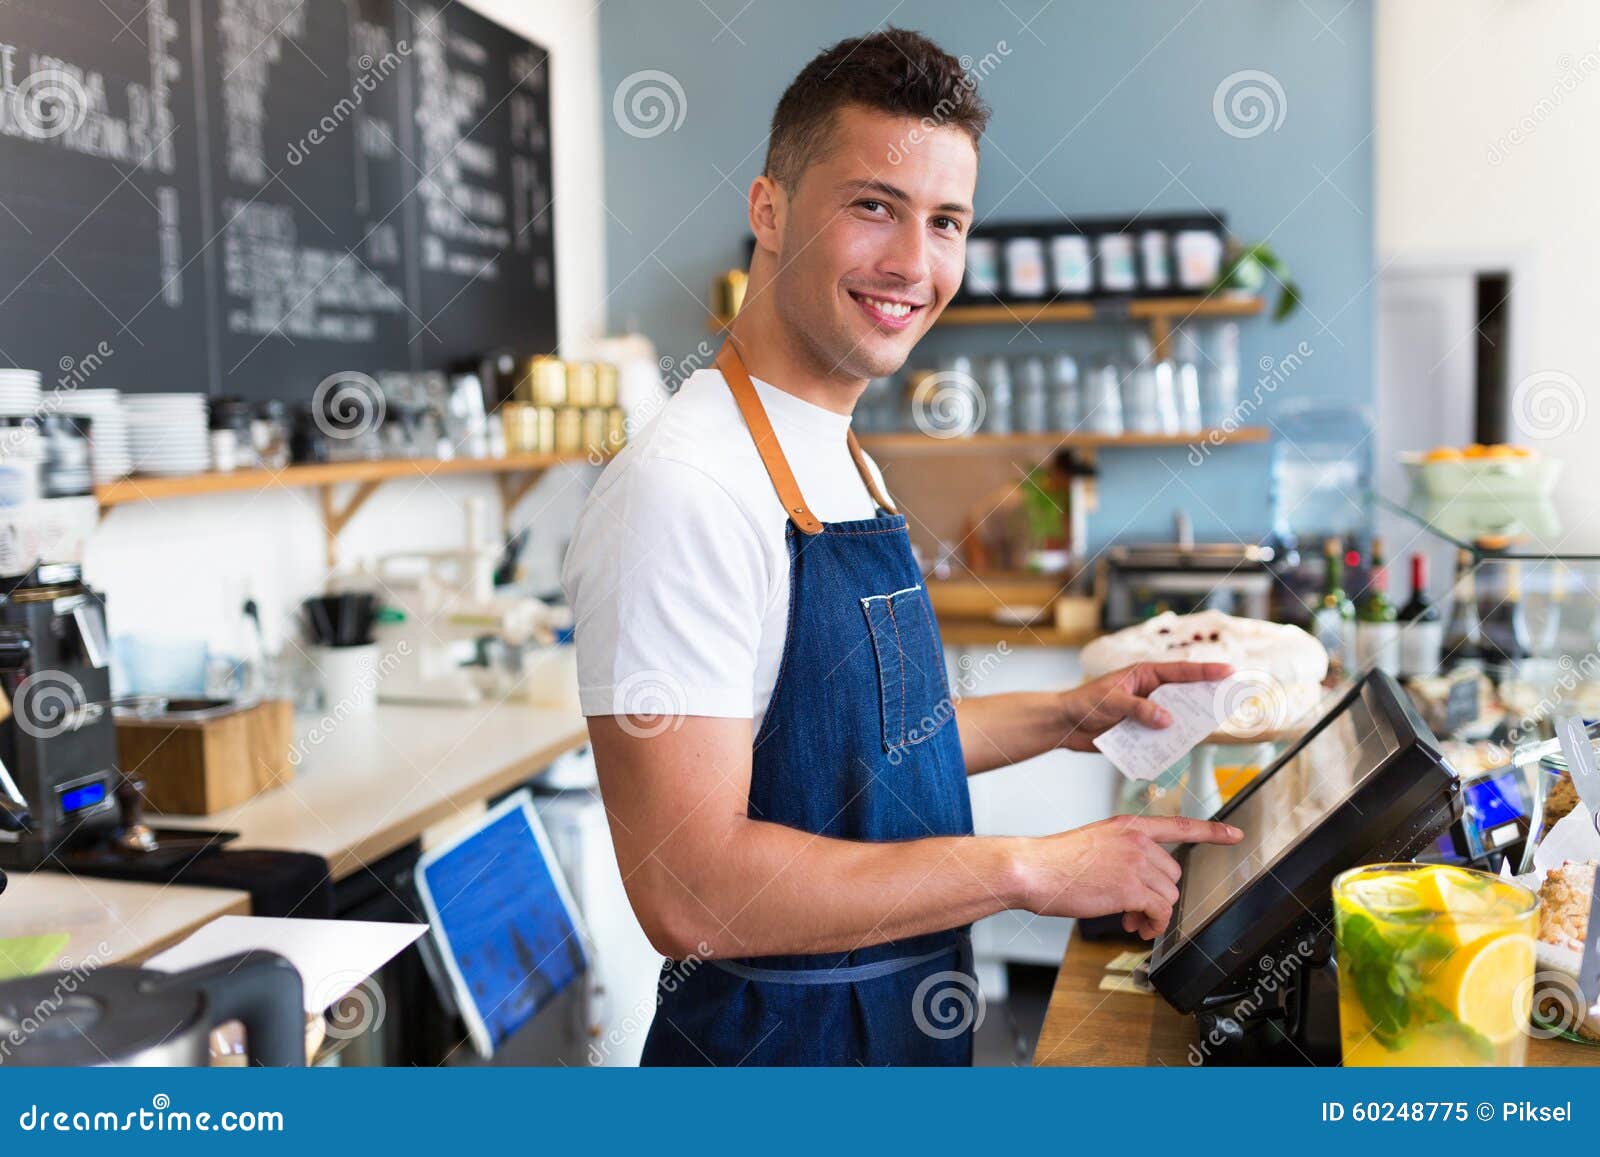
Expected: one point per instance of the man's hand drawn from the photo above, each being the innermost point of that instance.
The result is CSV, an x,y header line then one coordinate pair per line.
x,y
1104,702
1116,865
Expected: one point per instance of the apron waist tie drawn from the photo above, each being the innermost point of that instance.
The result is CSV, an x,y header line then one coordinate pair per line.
x,y
852,975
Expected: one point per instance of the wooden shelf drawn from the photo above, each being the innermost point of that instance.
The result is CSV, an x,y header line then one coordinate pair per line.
x,y
1161,312
515,475
915,442
1172,310
146,488
984,633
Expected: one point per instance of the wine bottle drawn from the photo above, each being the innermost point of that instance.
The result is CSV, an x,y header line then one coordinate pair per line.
x,y
1504,619
1463,637
1377,628
1421,626
1334,618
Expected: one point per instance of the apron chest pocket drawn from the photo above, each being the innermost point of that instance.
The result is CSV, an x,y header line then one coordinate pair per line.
x,y
913,694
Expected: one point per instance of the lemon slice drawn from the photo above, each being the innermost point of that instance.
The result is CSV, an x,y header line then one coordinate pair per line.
x,y
1389,893
1492,994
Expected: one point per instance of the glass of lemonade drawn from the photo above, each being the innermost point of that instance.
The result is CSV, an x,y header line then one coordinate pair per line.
x,y
1435,964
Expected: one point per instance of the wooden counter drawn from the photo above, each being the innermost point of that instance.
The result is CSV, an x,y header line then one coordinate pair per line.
x,y
373,782
109,921
365,786
1085,1026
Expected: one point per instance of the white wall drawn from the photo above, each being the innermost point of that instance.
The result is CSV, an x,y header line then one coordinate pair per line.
x,y
176,568
1487,120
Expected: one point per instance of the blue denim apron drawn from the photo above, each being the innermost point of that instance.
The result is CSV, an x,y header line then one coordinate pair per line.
x,y
859,742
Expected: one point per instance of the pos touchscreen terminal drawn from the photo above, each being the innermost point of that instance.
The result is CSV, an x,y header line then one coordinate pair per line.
x,y
1249,949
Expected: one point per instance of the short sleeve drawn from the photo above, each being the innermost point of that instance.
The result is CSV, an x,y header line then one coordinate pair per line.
x,y
669,581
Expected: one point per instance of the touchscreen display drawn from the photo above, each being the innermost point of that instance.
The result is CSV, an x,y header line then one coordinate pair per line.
x,y
1293,799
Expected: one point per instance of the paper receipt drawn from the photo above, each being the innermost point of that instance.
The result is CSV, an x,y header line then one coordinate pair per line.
x,y
1141,752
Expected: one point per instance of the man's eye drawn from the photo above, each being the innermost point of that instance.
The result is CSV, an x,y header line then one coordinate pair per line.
x,y
871,205
949,224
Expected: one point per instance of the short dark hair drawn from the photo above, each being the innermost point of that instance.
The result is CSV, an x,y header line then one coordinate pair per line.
x,y
893,70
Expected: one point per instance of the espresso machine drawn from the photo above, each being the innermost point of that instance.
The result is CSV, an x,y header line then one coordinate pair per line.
x,y
59,780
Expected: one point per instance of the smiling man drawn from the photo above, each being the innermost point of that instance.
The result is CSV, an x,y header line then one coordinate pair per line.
x,y
781,759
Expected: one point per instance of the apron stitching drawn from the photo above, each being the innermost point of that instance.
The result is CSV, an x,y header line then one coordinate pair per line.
x,y
900,650
767,725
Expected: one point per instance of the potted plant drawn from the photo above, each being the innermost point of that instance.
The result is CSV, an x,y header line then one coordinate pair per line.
x,y
1045,502
1246,270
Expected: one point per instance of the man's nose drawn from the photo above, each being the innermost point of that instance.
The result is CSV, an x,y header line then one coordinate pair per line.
x,y
907,258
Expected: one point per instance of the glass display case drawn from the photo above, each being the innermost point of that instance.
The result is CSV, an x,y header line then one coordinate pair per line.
x,y
1516,615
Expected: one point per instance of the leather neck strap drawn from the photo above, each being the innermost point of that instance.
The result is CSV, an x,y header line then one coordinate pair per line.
x,y
755,417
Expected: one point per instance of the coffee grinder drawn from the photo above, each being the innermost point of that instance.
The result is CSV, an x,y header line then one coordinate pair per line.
x,y
58,741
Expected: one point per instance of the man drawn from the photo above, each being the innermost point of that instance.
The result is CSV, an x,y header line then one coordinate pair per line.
x,y
783,766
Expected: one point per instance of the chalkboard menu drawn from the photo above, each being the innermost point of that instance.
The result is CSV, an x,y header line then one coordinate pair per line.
x,y
244,196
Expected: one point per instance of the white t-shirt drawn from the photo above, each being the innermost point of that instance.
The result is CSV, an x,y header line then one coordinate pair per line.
x,y
678,572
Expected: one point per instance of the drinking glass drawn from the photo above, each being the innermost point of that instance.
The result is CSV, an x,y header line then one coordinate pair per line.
x,y
1435,964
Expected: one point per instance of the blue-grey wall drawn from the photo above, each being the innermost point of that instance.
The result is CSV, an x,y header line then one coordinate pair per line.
x,y
1098,109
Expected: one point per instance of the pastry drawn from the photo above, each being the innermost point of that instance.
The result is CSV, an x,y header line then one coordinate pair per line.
x,y
1278,668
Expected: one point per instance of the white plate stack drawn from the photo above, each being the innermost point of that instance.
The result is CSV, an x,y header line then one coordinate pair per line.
x,y
19,392
108,429
168,433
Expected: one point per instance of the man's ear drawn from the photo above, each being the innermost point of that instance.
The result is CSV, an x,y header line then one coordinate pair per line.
x,y
769,210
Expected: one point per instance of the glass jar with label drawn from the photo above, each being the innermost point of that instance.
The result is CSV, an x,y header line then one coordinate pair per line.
x,y
997,397
1117,265
1066,400
1025,268
1155,260
1198,257
982,279
1033,396
1071,265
